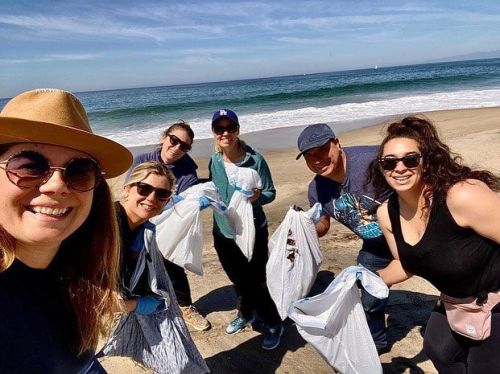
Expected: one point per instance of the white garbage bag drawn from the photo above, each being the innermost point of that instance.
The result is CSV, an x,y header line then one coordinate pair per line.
x,y
240,211
294,258
161,340
334,322
179,230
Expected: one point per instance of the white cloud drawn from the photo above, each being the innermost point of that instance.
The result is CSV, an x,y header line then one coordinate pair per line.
x,y
51,58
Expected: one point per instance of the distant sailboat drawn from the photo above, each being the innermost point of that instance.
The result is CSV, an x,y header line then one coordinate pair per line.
x,y
375,67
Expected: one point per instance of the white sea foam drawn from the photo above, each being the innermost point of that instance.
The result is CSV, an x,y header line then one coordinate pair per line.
x,y
150,133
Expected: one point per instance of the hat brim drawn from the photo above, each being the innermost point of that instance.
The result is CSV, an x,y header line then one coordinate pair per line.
x,y
320,143
113,158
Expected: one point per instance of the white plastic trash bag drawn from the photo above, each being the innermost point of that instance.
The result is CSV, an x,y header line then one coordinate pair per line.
x,y
294,258
240,211
179,231
161,340
334,322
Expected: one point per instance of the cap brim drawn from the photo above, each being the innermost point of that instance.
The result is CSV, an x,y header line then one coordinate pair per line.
x,y
113,158
314,145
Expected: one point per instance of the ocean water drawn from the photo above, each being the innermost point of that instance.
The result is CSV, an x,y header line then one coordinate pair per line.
x,y
136,117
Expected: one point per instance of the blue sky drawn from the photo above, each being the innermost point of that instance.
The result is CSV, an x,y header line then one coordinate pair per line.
x,y
94,45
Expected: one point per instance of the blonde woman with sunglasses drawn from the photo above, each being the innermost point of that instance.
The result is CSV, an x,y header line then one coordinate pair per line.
x,y
153,332
59,245
176,142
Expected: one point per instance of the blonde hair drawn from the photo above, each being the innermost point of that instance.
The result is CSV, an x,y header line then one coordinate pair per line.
x,y
142,171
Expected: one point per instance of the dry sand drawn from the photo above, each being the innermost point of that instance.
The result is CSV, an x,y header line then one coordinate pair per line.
x,y
474,133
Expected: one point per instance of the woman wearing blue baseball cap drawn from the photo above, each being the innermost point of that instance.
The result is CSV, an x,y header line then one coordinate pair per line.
x,y
248,277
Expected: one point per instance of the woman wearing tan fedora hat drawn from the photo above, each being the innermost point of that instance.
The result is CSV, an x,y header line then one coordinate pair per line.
x,y
59,245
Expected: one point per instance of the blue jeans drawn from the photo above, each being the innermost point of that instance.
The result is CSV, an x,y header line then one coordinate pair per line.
x,y
374,308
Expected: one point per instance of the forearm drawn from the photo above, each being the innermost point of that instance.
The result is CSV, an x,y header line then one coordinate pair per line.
x,y
394,273
266,197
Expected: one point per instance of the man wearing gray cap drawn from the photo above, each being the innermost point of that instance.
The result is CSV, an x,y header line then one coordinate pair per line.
x,y
339,185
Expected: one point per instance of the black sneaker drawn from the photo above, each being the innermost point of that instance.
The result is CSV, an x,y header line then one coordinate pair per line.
x,y
272,337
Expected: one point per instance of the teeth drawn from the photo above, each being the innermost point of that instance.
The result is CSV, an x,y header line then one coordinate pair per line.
x,y
50,211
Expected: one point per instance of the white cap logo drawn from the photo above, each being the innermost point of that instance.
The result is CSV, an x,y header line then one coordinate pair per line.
x,y
222,112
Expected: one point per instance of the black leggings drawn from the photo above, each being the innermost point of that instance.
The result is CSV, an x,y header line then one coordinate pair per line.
x,y
180,283
249,278
454,354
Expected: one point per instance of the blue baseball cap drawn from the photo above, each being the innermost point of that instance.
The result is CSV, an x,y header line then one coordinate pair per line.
x,y
314,136
227,113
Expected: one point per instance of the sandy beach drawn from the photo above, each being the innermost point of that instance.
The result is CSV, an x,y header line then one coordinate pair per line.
x,y
472,133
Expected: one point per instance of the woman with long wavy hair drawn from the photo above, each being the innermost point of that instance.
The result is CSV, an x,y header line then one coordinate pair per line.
x,y
443,224
59,246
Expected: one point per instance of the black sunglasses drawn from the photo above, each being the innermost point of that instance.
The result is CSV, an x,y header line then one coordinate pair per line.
x,y
174,140
30,169
145,190
219,129
390,163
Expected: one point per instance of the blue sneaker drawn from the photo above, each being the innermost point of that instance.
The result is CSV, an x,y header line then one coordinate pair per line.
x,y
238,324
272,337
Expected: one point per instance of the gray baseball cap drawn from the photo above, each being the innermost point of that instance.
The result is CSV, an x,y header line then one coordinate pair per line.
x,y
314,136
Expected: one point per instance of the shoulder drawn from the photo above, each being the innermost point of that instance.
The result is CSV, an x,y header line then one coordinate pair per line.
x,y
383,213
466,192
153,155
471,195
360,156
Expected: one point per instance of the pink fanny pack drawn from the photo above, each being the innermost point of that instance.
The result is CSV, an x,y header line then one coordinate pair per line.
x,y
470,316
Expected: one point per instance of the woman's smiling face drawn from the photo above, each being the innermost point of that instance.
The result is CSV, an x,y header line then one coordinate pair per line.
x,y
403,178
46,215
140,208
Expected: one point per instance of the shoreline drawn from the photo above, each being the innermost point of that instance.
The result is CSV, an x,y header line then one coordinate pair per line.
x,y
281,138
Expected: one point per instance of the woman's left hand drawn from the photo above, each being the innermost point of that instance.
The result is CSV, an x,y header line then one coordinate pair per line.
x,y
255,196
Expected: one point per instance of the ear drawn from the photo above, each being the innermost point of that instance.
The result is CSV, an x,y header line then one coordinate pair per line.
x,y
125,192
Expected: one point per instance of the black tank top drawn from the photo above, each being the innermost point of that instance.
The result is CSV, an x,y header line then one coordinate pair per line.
x,y
456,260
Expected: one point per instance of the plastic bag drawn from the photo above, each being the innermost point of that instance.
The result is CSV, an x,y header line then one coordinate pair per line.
x,y
240,210
294,258
334,322
160,341
179,230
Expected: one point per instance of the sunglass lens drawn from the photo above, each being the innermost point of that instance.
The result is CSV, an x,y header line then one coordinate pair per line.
x,y
82,174
145,190
162,194
174,140
219,130
411,161
27,169
388,163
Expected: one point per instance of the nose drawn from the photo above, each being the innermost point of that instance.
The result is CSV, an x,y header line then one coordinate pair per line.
x,y
400,167
55,183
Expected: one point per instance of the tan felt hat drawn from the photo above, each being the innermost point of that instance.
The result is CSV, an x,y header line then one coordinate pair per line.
x,y
57,117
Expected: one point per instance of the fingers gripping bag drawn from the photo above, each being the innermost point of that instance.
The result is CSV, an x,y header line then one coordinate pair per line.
x,y
161,340
334,322
179,230
240,210
294,258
